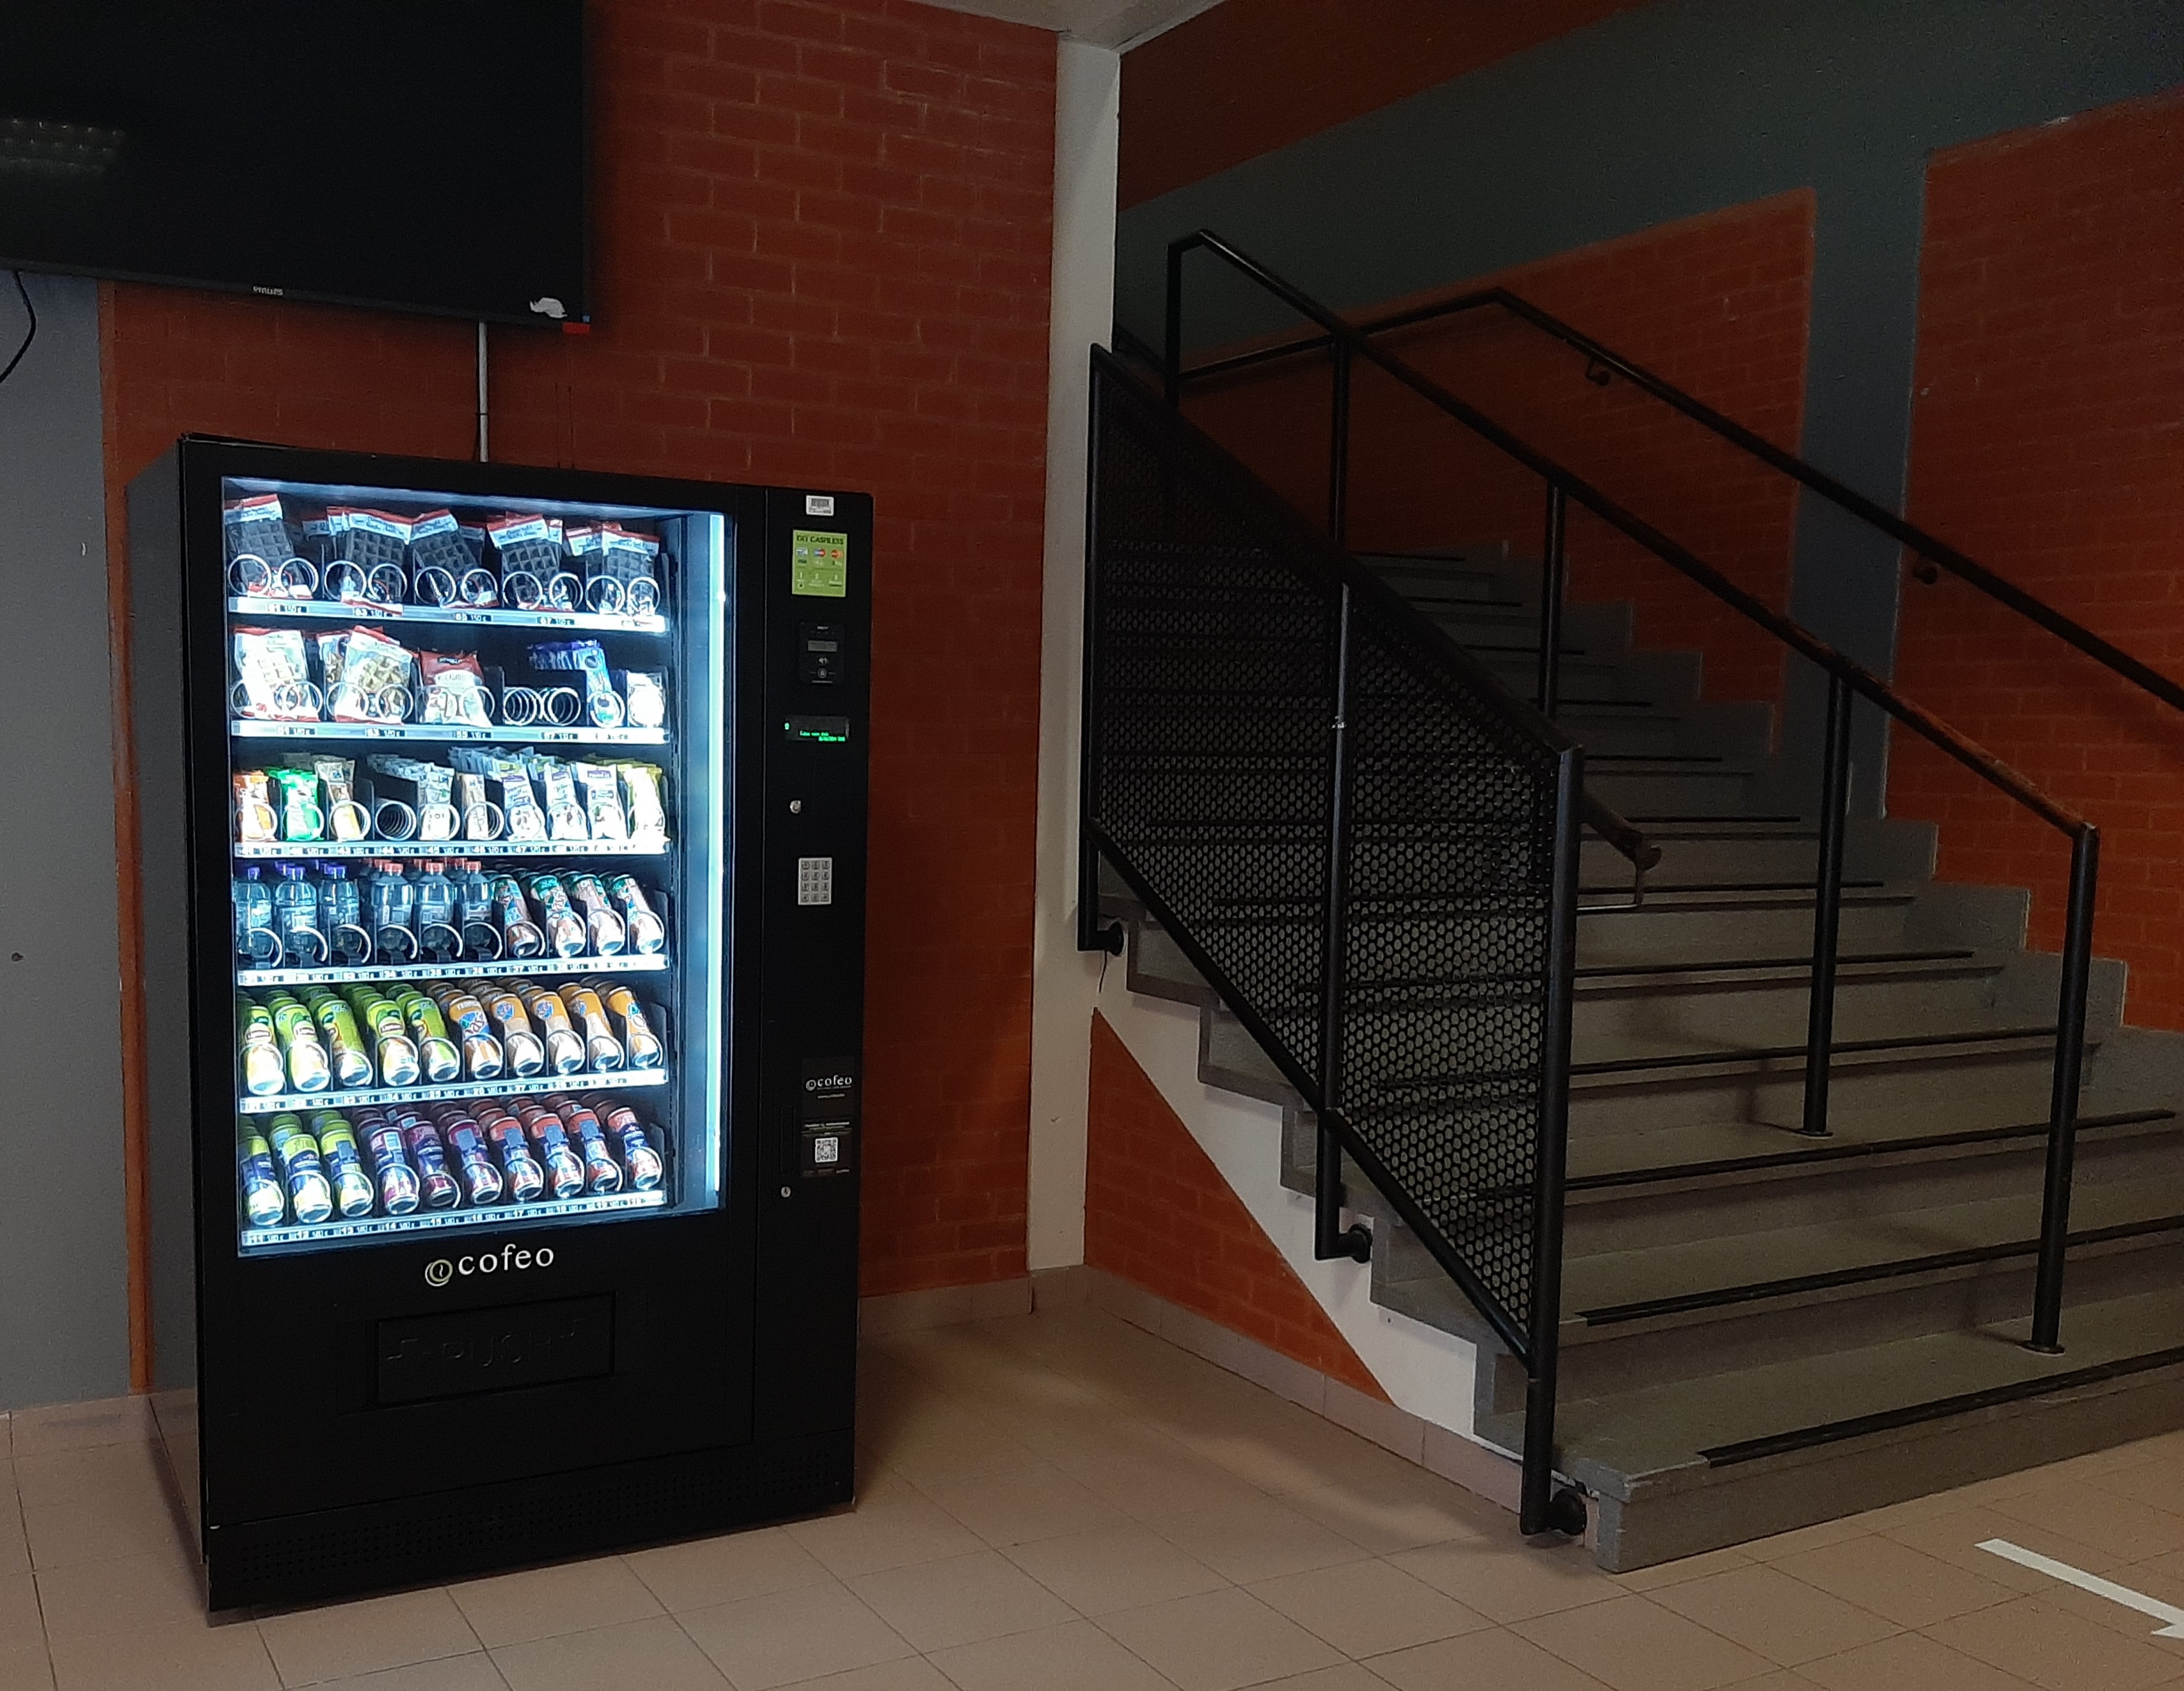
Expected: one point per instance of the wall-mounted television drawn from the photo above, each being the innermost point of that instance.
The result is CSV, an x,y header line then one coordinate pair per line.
x,y
428,155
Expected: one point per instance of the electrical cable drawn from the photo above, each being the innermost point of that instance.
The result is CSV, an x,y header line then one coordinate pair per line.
x,y
29,334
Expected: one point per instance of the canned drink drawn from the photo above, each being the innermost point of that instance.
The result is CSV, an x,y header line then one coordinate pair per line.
x,y
520,939
352,1063
639,1154
564,1169
647,933
638,1040
263,1205
398,1190
527,1052
564,1046
482,1057
557,917
442,1062
264,1070
439,1189
607,930
600,1046
466,1139
527,1179
310,1198
344,1163
398,1052
601,1173
309,1070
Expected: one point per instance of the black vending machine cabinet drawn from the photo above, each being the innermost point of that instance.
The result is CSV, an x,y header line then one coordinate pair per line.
x,y
502,837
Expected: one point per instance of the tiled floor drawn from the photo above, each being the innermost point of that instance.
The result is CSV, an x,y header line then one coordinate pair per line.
x,y
1060,1503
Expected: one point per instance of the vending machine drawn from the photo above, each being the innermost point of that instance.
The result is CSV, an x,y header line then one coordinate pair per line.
x,y
503,844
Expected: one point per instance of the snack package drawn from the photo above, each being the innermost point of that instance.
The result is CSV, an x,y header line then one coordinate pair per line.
x,y
526,550
256,821
520,811
257,527
644,696
368,538
302,816
372,678
646,803
602,791
347,818
565,816
454,689
603,705
273,676
630,560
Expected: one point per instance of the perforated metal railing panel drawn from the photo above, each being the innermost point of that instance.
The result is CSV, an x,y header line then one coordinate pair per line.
x,y
1214,635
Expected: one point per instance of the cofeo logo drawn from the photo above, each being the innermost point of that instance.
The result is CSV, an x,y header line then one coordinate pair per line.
x,y
510,1259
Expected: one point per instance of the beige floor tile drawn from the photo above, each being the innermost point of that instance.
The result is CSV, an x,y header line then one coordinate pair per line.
x,y
1491,1661
543,1603
1909,1661
15,1547
21,1626
349,1639
889,1528
1892,1580
1633,1644
1296,1452
1780,1618
653,1654
81,1426
2038,1641
2117,1526
943,1439
159,1588
1510,1581
706,1572
1218,1641
473,1672
1664,1574
911,1673
1256,1537
167,1658
960,1601
1816,1537
1386,1516
785,1636
1117,1567
94,1505
1028,1500
27,1669
1345,1676
1367,1608
1075,1657
1956,1538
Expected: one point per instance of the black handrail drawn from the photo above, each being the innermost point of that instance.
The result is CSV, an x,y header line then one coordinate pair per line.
x,y
1349,343
1918,540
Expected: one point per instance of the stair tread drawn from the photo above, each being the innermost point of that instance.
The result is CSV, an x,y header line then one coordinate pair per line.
x,y
1607,1290
1660,1434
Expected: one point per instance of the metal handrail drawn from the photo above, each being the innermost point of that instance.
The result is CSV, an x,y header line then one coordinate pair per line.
x,y
1349,343
1936,552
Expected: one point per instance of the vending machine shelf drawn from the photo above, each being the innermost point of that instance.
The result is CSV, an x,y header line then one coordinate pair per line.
x,y
450,733
362,611
479,848
451,971
489,1215
612,1080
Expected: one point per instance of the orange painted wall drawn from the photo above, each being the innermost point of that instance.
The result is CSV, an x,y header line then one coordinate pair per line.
x,y
821,256
2048,442
1717,304
1157,1212
1251,75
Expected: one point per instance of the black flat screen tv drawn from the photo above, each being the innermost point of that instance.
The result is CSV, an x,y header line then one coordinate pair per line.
x,y
424,154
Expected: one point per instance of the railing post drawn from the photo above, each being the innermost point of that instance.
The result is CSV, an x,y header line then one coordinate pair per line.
x,y
1554,582
2062,1108
1338,467
1827,909
1091,934
1329,1238
1171,352
1541,1508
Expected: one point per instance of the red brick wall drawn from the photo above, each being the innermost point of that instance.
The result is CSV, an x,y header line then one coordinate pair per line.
x,y
1717,304
1251,75
2047,441
821,257
1159,1213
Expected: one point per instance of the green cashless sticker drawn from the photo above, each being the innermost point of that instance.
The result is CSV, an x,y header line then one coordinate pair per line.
x,y
819,563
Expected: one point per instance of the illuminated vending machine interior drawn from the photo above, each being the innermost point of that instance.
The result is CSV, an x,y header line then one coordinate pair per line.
x,y
503,842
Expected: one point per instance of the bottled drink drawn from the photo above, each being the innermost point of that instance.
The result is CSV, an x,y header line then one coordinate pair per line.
x,y
344,1163
638,1155
257,943
550,1140
393,904
341,904
482,1053
305,1053
435,1049
557,917
647,932
398,1190
439,921
262,1201
309,1197
601,1173
338,1024
296,916
527,1179
564,1046
474,905
637,1038
441,1189
521,937
603,1049
264,1068
527,1055
398,1052
605,928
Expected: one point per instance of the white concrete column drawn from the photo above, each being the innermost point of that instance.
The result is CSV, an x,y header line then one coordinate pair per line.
x,y
1065,983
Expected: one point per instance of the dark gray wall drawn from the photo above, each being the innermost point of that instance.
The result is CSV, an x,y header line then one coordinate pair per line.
x,y
64,1254
1677,108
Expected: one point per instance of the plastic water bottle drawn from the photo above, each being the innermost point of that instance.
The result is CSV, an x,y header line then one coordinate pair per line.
x,y
393,902
256,945
474,894
341,904
296,917
439,923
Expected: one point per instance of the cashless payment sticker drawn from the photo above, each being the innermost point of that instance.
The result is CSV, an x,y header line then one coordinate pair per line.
x,y
819,563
